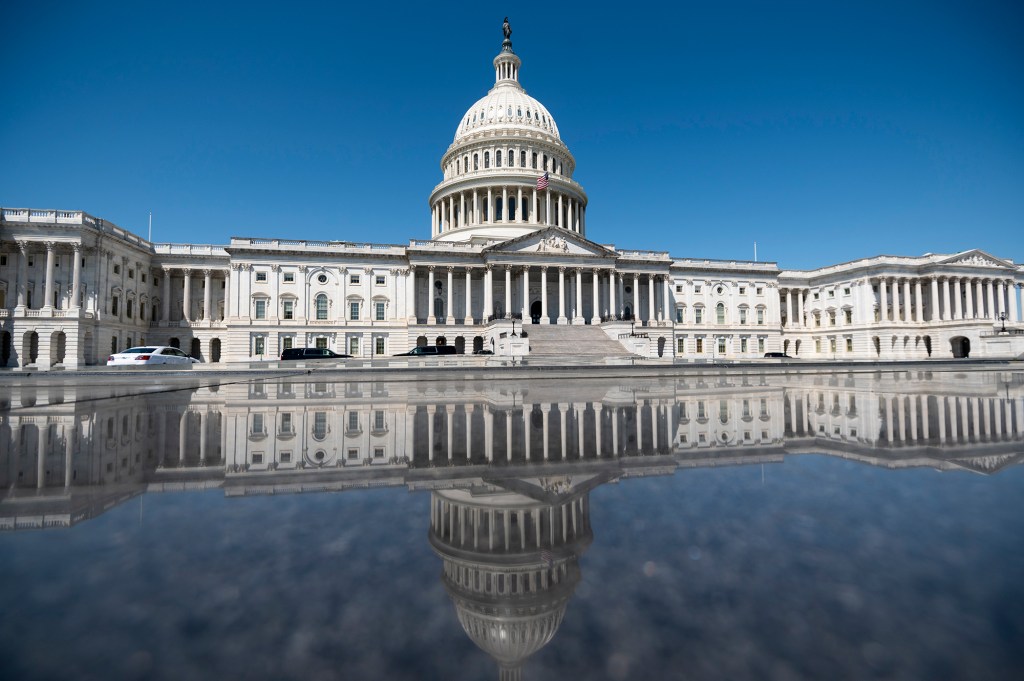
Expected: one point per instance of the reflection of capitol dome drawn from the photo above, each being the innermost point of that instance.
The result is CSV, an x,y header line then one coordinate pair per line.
x,y
511,562
503,143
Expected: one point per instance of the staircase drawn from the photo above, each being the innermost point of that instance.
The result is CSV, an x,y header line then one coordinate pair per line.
x,y
563,342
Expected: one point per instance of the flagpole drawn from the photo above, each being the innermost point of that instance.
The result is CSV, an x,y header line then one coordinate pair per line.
x,y
755,251
150,226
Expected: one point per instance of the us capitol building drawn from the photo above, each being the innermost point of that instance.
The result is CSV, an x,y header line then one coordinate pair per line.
x,y
508,243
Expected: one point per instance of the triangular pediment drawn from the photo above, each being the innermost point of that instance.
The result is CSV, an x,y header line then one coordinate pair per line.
x,y
976,258
552,241
552,488
988,464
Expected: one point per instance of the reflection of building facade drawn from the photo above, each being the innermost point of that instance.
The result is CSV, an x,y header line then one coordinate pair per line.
x,y
508,241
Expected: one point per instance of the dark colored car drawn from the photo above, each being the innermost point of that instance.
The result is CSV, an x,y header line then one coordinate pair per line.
x,y
310,353
776,355
429,351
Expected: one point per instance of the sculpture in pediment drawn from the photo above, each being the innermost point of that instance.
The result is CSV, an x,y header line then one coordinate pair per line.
x,y
554,244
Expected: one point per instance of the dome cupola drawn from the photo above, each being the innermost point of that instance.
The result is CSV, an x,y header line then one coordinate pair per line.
x,y
507,172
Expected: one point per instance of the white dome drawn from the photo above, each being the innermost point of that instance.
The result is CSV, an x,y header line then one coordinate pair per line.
x,y
506,105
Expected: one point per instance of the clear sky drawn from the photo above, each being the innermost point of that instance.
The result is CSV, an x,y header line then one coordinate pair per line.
x,y
825,133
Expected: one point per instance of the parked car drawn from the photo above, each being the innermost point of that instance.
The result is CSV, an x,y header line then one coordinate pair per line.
x,y
150,354
310,353
776,355
483,352
429,351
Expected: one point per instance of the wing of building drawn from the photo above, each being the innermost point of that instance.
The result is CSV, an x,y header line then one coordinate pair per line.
x,y
508,243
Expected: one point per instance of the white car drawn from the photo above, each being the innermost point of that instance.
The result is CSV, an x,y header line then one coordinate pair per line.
x,y
150,354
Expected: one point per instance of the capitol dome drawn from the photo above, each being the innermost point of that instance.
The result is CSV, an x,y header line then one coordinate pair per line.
x,y
507,172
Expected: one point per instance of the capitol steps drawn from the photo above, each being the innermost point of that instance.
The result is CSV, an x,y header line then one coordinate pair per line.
x,y
565,341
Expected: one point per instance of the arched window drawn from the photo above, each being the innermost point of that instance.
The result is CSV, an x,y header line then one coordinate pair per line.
x,y
545,161
534,160
720,313
321,306
497,159
476,161
465,163
511,158
522,159
487,159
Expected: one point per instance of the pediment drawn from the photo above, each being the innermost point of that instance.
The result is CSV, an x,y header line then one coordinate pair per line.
x,y
552,488
551,241
988,464
976,258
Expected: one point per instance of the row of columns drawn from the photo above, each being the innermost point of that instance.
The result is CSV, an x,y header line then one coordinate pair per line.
x,y
206,314
607,297
49,282
466,208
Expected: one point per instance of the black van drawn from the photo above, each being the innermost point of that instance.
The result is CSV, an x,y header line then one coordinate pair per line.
x,y
428,351
310,353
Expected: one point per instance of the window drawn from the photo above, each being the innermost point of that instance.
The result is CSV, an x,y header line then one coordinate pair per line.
x,y
353,421
476,162
257,457
3,261
353,346
379,280
832,318
680,345
743,344
743,290
846,291
534,163
321,306
354,279
378,452
261,308
832,344
143,275
286,343
817,295
679,315
487,159
679,288
131,273
117,269
760,316
849,345
319,425
261,277
259,345
286,457
760,291
114,301
257,423
817,319
848,316
698,316
700,345
378,420
289,277
378,311
320,344
743,315
760,345
288,308
522,159
353,310
127,308
831,293
286,422
721,346
353,454
720,313
817,345
497,159
378,345
696,288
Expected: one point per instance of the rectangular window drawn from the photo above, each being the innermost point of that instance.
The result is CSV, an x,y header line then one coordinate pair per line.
x,y
831,293
378,420
127,309
3,261
261,309
289,277
698,315
353,454
817,345
286,423
353,279
286,343
320,343
743,344
259,346
143,277
831,344
846,291
353,311
849,345
261,277
760,345
743,315
760,316
380,280
700,346
679,315
378,311
353,421
696,288
286,457
816,295
131,274
288,307
257,457
353,346
721,346
848,316
743,290
114,304
680,345
378,345
760,291
257,423
378,452
117,268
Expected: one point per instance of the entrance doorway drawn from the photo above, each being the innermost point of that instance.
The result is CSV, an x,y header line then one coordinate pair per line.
x,y
960,346
535,311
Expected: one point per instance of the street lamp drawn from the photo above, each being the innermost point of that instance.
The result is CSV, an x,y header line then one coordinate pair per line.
x,y
514,327
1002,318
631,332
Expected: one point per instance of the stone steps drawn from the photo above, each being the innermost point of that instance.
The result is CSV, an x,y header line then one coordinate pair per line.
x,y
572,341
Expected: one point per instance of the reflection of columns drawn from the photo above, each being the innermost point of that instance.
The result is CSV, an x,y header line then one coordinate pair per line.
x,y
469,409
578,410
986,416
598,408
654,427
69,450
527,413
431,411
976,417
563,414
942,419
544,319
202,437
182,432
965,431
639,422
913,418
44,433
953,423
508,436
925,420
449,417
51,255
887,402
545,411
162,437
76,277
489,434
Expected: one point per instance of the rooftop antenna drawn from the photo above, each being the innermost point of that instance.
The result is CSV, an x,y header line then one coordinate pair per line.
x,y
151,231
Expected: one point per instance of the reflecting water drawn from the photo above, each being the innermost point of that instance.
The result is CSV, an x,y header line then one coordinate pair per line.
x,y
717,525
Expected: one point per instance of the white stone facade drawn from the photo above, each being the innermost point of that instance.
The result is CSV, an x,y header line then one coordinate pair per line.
x,y
74,288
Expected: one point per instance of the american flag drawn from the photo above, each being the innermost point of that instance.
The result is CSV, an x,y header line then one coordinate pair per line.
x,y
542,182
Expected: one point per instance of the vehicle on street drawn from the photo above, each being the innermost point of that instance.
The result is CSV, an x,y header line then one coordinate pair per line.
x,y
429,351
310,353
776,355
149,355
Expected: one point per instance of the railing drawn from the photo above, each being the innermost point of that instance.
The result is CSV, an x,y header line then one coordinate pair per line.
x,y
294,244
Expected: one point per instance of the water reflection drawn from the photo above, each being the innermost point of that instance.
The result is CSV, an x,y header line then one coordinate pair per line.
x,y
509,468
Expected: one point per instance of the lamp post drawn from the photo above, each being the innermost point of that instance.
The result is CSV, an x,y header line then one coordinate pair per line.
x,y
631,332
1002,318
514,327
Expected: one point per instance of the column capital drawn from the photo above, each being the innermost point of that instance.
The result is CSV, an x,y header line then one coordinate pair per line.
x,y
50,245
76,247
188,270
450,268
431,268
508,268
274,268
22,246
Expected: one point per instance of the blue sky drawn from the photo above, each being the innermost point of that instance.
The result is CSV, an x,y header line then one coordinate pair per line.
x,y
823,132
